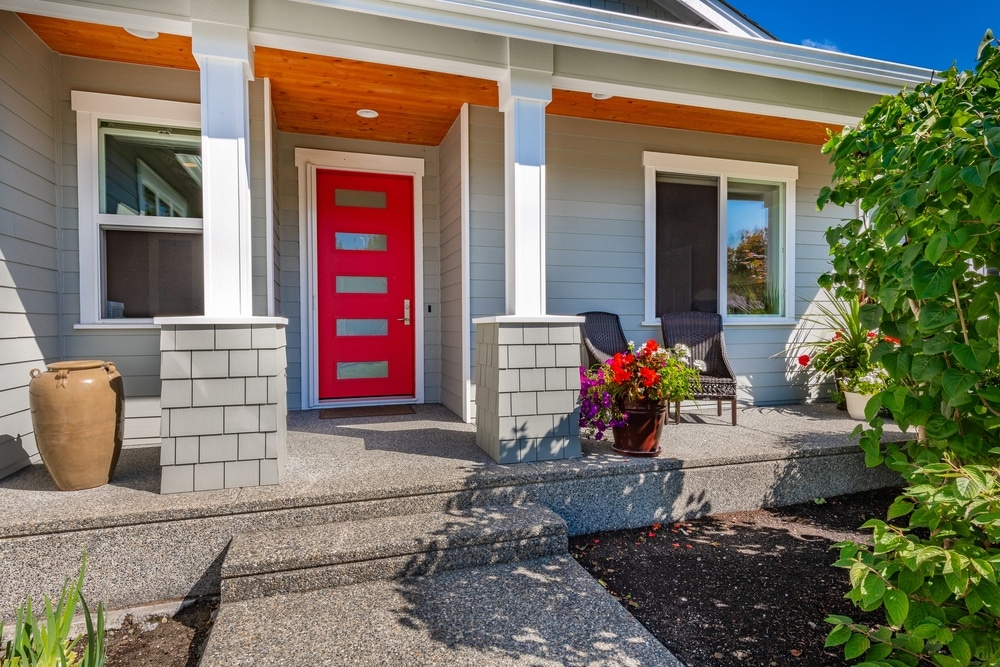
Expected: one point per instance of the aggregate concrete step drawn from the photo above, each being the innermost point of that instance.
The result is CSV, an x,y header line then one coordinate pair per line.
x,y
338,554
535,613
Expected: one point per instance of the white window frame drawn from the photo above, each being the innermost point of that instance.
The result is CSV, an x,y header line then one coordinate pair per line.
x,y
91,109
722,169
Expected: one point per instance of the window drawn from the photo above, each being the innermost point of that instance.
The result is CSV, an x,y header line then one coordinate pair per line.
x,y
719,237
140,203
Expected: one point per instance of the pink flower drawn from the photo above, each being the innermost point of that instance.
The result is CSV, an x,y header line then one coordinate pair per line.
x,y
804,360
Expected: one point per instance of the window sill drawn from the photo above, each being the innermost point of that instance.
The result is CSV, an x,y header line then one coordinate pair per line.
x,y
111,326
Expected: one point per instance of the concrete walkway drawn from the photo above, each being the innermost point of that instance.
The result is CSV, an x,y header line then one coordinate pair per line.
x,y
539,613
145,547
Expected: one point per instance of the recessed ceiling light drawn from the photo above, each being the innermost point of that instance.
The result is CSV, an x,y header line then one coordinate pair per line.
x,y
142,34
368,113
601,96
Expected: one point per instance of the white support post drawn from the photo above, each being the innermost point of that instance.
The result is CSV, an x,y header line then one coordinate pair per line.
x,y
524,94
220,43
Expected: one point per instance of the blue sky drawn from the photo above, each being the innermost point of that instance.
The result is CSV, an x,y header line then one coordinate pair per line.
x,y
913,32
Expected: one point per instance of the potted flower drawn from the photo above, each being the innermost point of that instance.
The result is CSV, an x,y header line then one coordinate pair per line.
x,y
859,388
630,394
846,353
847,350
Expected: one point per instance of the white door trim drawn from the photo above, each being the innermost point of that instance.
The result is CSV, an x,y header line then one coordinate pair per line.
x,y
308,160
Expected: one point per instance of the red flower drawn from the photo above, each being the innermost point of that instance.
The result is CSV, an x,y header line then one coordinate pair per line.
x,y
804,360
871,334
651,346
649,376
836,336
894,341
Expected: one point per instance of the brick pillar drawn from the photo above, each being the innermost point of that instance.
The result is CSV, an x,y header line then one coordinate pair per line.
x,y
527,384
223,403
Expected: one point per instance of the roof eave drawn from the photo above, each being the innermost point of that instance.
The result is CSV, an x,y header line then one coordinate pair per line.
x,y
582,27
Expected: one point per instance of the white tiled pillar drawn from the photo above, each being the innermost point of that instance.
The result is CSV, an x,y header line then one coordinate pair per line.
x,y
527,383
223,403
527,362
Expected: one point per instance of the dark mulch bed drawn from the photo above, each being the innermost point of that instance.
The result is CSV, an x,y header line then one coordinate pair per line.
x,y
748,588
176,641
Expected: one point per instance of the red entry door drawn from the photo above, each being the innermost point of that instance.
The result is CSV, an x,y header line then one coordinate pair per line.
x,y
364,261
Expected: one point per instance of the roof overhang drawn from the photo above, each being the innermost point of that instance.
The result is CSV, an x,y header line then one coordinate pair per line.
x,y
583,27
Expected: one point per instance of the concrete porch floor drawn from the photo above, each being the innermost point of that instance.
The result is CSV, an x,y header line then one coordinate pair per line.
x,y
143,546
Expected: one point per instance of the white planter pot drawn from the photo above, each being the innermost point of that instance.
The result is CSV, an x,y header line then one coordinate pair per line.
x,y
856,404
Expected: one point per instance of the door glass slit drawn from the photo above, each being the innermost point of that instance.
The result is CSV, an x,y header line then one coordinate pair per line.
x,y
348,327
362,370
359,241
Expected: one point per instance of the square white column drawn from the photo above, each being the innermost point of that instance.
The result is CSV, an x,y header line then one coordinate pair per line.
x,y
524,94
222,49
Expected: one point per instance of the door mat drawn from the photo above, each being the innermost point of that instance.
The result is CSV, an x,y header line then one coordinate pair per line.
x,y
366,411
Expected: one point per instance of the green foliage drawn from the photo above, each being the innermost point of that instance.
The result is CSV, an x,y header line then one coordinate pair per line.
x,y
847,351
749,291
935,578
45,641
926,165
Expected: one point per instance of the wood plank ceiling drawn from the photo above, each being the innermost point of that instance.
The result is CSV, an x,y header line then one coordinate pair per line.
x,y
314,94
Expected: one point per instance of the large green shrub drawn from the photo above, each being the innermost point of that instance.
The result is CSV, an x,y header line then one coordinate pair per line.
x,y
925,165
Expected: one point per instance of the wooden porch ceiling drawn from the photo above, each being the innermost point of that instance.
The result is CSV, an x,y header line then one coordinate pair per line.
x,y
314,94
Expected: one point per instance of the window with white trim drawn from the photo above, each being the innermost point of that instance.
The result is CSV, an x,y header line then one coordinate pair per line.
x,y
720,238
140,203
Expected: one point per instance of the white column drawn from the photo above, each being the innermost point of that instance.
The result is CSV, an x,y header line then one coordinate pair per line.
x,y
221,46
524,94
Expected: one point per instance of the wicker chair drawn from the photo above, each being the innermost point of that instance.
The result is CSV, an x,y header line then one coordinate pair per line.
x,y
702,333
602,336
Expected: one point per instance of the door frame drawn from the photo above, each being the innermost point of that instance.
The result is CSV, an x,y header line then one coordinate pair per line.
x,y
308,161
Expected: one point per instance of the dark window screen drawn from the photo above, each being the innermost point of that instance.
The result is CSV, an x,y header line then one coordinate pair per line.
x,y
154,273
687,244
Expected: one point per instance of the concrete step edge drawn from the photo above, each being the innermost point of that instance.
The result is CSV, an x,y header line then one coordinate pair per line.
x,y
303,580
367,539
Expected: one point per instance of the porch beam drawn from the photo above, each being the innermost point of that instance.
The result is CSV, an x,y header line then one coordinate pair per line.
x,y
524,94
221,46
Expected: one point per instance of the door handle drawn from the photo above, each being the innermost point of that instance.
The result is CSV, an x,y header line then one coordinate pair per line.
x,y
405,319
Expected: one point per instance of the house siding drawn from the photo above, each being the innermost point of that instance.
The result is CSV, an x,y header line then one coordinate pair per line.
x,y
595,230
29,230
135,351
486,218
288,197
39,257
452,243
259,236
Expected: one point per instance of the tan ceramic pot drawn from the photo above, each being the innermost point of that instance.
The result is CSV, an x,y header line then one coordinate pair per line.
x,y
77,410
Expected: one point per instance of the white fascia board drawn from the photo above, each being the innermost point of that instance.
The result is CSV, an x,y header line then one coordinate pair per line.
x,y
375,54
140,14
703,101
562,24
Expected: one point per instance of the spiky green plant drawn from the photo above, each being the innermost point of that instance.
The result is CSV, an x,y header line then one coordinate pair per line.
x,y
45,642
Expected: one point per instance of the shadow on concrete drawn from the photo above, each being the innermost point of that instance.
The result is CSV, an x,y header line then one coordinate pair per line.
x,y
529,611
546,611
137,469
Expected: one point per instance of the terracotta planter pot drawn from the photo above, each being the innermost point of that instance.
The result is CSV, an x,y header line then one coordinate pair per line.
x,y
77,410
641,436
856,404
